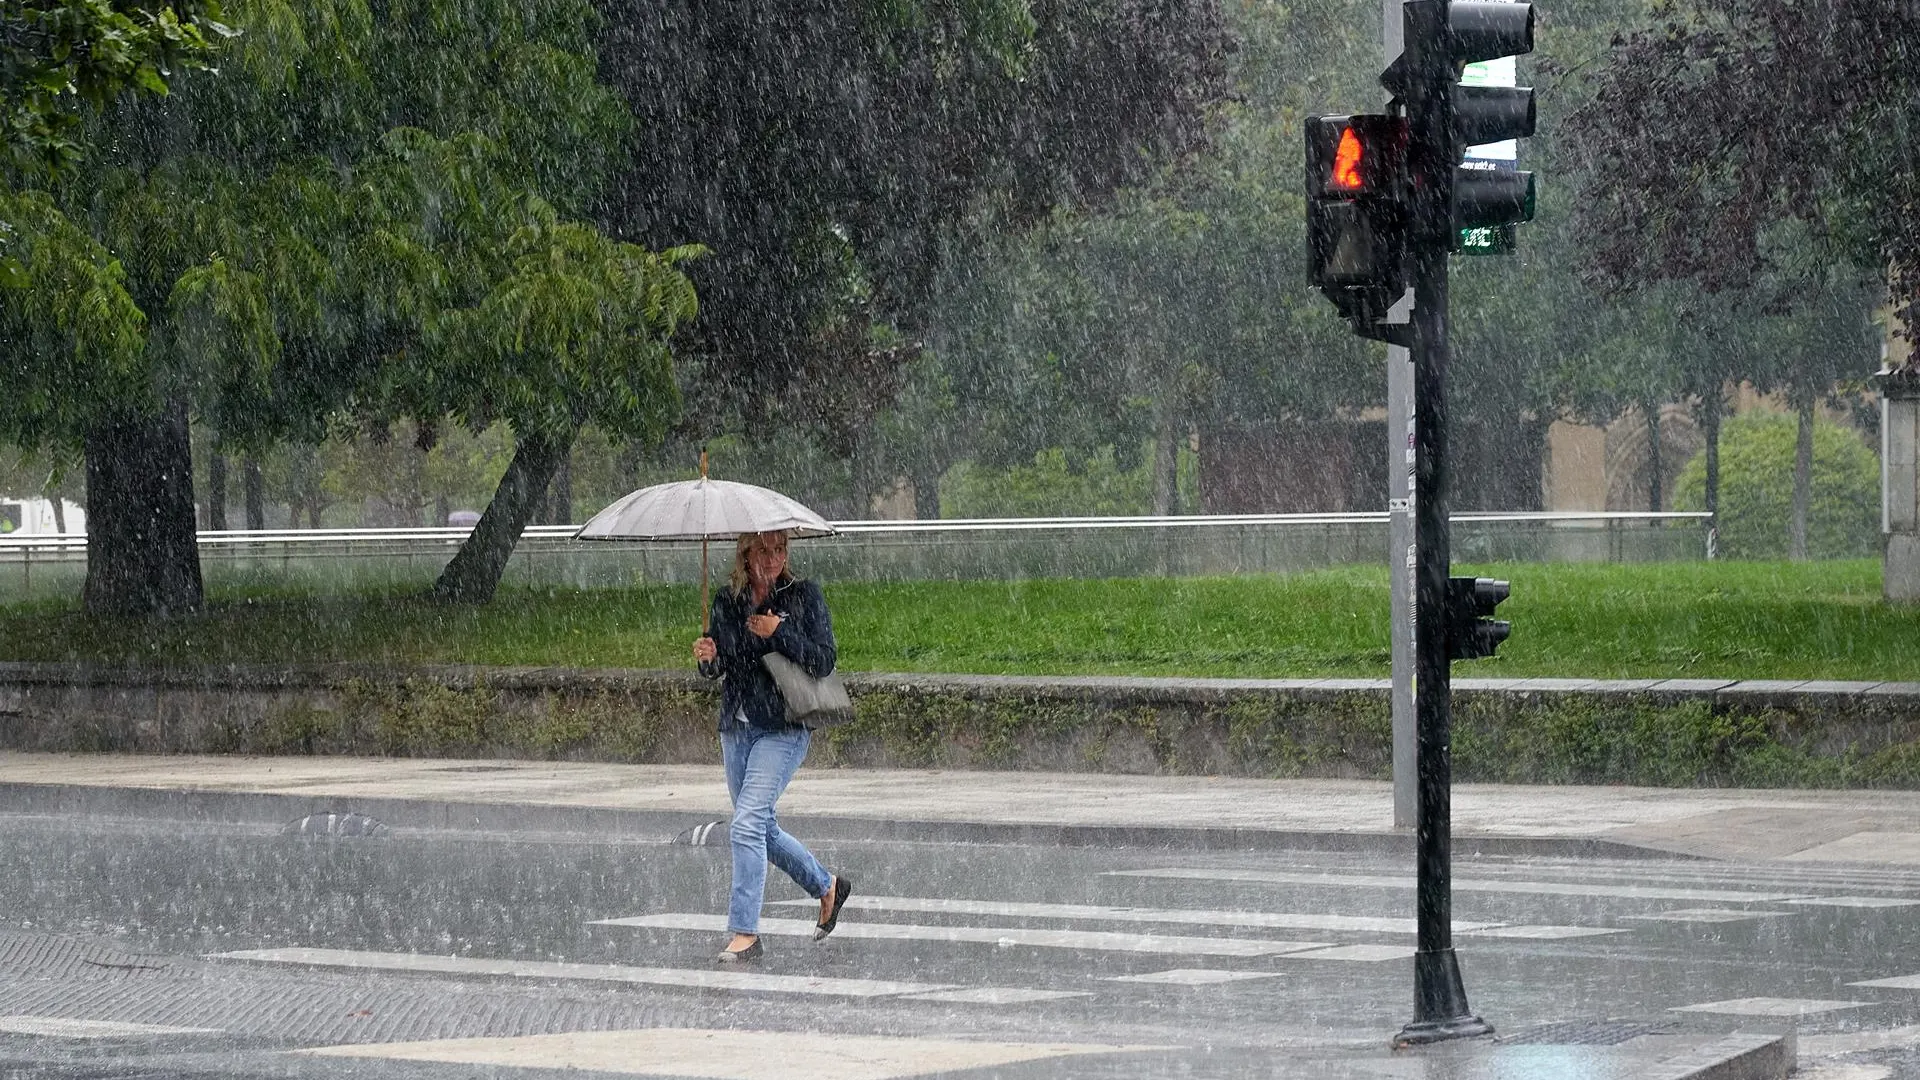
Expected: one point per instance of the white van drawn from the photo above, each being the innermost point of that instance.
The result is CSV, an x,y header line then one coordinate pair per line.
x,y
35,517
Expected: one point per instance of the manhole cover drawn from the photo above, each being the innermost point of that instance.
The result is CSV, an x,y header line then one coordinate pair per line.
x,y
1584,1033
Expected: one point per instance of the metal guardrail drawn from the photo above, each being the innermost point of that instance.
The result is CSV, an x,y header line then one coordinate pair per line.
x,y
212,541
334,560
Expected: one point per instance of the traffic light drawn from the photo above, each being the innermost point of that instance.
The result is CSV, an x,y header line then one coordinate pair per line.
x,y
1471,633
1439,41
1356,212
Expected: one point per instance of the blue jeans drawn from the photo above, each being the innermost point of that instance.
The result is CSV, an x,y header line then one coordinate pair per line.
x,y
759,765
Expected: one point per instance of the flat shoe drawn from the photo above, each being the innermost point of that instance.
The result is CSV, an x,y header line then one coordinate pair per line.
x,y
730,956
842,888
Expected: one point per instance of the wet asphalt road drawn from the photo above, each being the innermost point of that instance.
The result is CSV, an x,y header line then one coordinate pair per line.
x,y
124,920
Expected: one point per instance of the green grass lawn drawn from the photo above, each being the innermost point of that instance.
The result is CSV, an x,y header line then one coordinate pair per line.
x,y
1725,620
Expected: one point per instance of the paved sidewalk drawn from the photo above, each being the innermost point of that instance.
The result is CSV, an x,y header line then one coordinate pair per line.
x,y
1875,827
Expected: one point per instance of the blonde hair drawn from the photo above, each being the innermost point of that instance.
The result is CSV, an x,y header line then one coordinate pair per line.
x,y
739,577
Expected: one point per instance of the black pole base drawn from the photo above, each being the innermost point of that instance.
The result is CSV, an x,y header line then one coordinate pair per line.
x,y
1440,1007
1427,1032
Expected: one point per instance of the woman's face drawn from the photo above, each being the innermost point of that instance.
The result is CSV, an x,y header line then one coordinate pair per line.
x,y
767,558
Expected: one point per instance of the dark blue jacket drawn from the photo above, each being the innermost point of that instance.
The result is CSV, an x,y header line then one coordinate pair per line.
x,y
805,637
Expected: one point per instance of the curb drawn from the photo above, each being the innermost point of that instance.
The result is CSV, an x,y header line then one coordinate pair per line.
x,y
658,826
1736,1057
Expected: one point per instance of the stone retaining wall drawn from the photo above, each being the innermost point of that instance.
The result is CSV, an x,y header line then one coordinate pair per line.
x,y
1681,733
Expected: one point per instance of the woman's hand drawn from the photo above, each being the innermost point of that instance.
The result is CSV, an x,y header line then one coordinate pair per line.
x,y
704,650
763,626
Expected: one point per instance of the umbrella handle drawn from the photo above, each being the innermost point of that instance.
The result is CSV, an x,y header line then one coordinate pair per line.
x,y
706,609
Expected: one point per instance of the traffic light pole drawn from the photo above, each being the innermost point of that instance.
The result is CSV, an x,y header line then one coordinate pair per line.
x,y
1400,549
1440,1004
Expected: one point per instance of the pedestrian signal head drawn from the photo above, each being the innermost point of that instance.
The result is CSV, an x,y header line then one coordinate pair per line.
x,y
1347,160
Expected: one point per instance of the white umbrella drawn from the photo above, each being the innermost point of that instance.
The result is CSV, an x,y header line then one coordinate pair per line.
x,y
702,510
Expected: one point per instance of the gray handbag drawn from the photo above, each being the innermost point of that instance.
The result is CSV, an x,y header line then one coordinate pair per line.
x,y
812,703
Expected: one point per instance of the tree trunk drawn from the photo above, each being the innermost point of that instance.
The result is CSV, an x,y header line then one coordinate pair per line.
x,y
143,556
1711,405
59,512
313,513
926,493
560,495
1802,476
216,491
1656,467
474,573
1166,463
255,486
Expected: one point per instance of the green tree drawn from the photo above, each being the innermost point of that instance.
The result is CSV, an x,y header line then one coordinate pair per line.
x,y
578,332
1757,497
285,238
1129,321
1792,113
836,155
59,57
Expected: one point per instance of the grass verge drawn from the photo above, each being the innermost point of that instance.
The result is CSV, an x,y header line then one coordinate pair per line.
x,y
1823,620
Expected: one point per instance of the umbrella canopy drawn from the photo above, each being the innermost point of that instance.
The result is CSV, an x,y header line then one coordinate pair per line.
x,y
702,510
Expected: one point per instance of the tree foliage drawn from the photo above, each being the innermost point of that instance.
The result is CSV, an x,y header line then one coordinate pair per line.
x,y
332,224
58,57
1724,118
1757,489
834,154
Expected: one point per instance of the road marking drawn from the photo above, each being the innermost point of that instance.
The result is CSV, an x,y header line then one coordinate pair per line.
x,y
1104,913
63,1028
1856,1042
1542,888
727,1055
996,995
1544,933
1103,940
1856,901
1707,915
1366,954
1771,1006
1194,976
538,969
1830,1071
1876,847
1898,982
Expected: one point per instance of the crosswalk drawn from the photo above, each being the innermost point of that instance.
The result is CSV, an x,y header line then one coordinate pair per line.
x,y
1240,943
1275,927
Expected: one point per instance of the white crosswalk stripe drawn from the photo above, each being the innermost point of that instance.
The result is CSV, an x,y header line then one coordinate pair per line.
x,y
726,1055
1855,901
1193,976
1098,940
1898,982
1366,954
1771,1006
1543,933
534,969
1708,915
920,905
63,1028
1488,885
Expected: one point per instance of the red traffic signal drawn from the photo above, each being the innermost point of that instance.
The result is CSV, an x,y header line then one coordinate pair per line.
x,y
1354,156
1348,158
1356,217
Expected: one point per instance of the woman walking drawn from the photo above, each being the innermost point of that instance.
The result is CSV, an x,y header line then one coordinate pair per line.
x,y
765,610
